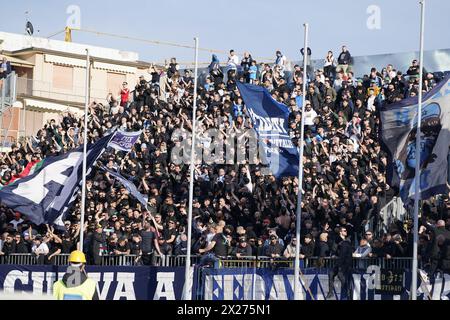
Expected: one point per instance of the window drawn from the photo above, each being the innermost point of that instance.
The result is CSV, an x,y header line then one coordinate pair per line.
x,y
62,77
33,122
114,82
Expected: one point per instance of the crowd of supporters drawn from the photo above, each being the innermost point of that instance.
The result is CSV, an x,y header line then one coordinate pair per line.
x,y
237,211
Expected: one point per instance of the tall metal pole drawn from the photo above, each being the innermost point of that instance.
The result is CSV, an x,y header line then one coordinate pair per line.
x,y
300,174
85,142
417,173
187,272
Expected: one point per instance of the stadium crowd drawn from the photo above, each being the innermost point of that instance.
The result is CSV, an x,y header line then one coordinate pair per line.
x,y
237,210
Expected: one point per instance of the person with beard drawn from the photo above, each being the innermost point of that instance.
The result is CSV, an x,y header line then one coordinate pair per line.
x,y
289,252
327,107
392,94
20,245
399,82
359,110
9,246
245,217
308,246
170,234
97,245
243,249
314,97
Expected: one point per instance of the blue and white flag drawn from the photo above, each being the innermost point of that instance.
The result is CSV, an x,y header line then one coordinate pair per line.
x,y
129,186
124,141
270,120
399,125
45,195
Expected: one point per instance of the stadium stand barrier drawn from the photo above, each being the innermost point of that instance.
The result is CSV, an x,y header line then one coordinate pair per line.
x,y
225,262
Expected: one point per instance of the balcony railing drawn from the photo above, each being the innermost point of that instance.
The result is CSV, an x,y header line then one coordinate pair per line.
x,y
43,89
8,91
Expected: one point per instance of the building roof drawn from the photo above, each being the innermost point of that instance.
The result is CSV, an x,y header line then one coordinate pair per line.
x,y
18,53
16,61
12,42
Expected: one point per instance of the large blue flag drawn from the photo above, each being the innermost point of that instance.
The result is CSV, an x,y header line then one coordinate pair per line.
x,y
129,186
399,125
270,120
45,195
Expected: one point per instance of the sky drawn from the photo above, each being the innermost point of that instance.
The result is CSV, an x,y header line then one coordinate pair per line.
x,y
258,26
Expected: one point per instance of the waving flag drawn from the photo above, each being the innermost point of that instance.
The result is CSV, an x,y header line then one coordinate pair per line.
x,y
129,186
399,125
124,141
44,195
270,120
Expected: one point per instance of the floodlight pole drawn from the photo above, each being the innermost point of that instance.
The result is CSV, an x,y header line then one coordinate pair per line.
x,y
187,272
417,170
298,220
85,142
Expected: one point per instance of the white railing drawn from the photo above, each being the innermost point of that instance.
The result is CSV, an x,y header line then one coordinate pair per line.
x,y
7,92
44,89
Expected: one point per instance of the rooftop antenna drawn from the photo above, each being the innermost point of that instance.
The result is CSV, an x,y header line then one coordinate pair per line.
x,y
29,29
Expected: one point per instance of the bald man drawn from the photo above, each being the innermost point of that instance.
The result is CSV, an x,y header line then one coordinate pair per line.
x,y
439,235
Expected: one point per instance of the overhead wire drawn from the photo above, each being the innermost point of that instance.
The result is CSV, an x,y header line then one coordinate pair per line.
x,y
153,42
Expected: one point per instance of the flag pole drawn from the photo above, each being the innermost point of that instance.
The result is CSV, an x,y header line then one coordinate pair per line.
x,y
300,175
85,132
187,272
417,170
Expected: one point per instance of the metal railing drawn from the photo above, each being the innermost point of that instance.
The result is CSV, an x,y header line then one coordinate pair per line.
x,y
228,262
44,89
19,258
63,259
314,262
31,259
7,92
120,260
267,262
175,261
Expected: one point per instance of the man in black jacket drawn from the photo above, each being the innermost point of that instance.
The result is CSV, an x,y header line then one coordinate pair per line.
x,y
343,266
437,231
98,245
21,246
149,244
344,60
9,246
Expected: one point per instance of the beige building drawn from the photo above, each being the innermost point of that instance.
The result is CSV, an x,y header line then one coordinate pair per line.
x,y
51,79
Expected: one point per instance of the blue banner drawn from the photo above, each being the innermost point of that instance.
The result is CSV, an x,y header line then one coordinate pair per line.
x,y
270,121
113,283
124,141
266,284
166,283
399,126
